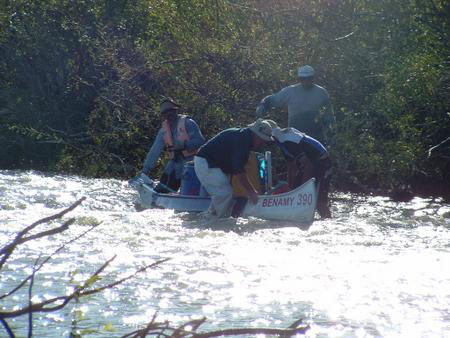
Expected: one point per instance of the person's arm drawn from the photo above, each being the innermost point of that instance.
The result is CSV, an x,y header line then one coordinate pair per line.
x,y
196,138
273,101
154,152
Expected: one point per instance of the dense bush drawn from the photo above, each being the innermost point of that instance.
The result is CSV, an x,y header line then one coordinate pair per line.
x,y
81,81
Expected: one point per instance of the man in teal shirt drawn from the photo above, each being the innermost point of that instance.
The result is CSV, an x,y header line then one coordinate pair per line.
x,y
309,107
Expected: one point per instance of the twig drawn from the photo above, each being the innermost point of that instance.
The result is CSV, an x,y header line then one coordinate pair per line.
x,y
296,323
7,250
111,285
30,296
80,291
252,331
7,328
344,37
46,260
437,146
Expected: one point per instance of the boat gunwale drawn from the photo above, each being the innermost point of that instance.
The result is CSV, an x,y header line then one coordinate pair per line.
x,y
196,197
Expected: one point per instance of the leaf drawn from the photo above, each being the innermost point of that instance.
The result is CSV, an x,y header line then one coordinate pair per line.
x,y
109,328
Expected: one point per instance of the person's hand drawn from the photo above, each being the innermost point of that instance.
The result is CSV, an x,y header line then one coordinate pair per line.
x,y
178,145
253,197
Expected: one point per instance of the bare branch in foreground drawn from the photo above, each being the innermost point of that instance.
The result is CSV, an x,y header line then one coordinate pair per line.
x,y
7,250
86,288
189,330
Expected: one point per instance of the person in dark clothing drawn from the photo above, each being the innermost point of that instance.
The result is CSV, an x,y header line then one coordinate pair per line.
x,y
306,158
224,155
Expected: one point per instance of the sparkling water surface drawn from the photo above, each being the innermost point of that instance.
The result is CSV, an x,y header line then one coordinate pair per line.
x,y
377,269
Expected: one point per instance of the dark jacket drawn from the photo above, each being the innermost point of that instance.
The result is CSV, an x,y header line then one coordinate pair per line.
x,y
228,150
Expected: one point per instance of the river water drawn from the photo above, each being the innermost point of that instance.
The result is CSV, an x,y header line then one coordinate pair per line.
x,y
377,269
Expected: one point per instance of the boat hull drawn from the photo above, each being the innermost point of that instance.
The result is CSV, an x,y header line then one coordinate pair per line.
x,y
297,205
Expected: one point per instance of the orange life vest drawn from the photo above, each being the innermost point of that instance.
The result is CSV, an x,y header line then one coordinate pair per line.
x,y
182,136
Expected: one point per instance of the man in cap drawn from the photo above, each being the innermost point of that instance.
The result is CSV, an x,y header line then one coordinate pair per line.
x,y
181,137
306,158
309,107
224,155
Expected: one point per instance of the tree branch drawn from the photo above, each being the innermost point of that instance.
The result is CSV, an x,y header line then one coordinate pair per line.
x,y
20,285
437,146
7,250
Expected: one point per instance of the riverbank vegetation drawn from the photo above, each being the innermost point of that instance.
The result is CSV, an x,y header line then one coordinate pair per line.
x,y
23,310
81,81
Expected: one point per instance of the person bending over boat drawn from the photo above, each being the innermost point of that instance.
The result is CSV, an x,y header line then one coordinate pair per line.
x,y
306,158
181,137
227,154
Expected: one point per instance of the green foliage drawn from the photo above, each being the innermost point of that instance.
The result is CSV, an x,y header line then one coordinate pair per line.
x,y
87,77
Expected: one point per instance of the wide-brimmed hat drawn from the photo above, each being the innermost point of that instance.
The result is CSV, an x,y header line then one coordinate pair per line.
x,y
262,129
306,71
168,104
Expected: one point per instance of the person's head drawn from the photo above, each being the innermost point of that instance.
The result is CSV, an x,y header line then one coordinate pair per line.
x,y
169,110
275,130
262,133
306,75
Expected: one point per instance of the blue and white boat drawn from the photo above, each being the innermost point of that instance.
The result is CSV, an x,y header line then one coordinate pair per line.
x,y
297,205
